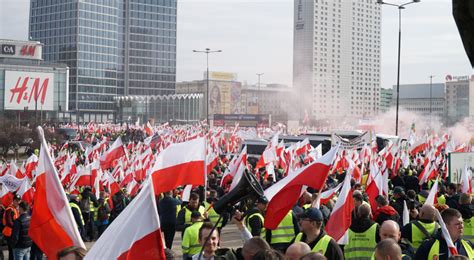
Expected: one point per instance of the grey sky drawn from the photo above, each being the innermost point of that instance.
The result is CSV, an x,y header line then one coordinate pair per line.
x,y
256,36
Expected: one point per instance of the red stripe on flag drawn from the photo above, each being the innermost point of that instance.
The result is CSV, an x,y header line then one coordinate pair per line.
x,y
148,247
181,174
48,234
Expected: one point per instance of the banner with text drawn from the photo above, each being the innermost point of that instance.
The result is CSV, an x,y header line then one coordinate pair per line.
x,y
29,90
357,142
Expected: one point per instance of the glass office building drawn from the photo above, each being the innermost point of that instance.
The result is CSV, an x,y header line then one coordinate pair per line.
x,y
112,47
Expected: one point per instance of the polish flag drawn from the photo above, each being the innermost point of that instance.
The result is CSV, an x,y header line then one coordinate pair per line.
x,y
445,233
52,225
180,164
26,192
148,129
430,200
30,165
115,152
374,189
285,193
234,165
418,147
324,197
142,241
340,219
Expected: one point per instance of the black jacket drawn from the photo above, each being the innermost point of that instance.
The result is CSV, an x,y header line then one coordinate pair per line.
x,y
167,209
20,238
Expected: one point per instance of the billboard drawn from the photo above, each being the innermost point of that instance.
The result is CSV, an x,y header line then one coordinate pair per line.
x,y
457,161
224,97
29,90
21,49
244,120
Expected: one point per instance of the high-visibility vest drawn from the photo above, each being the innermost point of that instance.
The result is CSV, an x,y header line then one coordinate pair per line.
x,y
259,215
7,231
321,246
187,215
361,245
74,205
190,244
212,214
441,200
285,232
469,229
434,251
417,236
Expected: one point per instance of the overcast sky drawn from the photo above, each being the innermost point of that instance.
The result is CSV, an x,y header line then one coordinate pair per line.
x,y
256,36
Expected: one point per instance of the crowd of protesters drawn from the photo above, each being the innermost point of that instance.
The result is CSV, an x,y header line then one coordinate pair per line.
x,y
376,232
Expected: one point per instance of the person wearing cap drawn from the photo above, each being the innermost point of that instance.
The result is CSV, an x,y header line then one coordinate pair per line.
x,y
311,222
397,199
9,216
363,235
190,244
425,227
255,218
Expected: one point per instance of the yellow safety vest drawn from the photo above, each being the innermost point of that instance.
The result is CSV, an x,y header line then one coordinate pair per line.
x,y
321,246
74,205
417,236
187,215
441,200
434,251
285,232
212,214
262,231
469,229
361,245
190,244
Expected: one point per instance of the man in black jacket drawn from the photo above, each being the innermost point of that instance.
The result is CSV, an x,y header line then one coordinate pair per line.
x,y
21,242
167,207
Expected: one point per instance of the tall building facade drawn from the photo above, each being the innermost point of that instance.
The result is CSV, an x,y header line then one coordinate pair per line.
x,y
112,47
336,58
386,96
459,104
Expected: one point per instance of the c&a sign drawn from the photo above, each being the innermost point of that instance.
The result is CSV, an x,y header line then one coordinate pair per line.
x,y
29,90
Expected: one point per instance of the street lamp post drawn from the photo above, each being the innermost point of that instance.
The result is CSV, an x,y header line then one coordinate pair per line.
x,y
258,94
207,51
400,8
431,97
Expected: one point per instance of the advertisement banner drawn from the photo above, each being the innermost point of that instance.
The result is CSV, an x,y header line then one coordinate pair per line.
x,y
456,164
29,90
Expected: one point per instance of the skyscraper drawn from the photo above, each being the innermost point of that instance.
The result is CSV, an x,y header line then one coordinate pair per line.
x,y
113,47
336,58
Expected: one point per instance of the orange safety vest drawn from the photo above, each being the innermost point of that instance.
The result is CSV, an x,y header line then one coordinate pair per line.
x,y
7,231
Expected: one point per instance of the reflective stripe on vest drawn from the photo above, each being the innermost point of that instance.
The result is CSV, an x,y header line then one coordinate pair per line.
x,y
74,205
469,229
434,251
262,230
187,215
212,214
285,232
417,236
361,245
190,244
7,231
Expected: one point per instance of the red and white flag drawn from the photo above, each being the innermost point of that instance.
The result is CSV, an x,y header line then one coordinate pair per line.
x,y
445,233
325,196
284,194
340,219
52,225
180,164
430,200
25,191
124,239
115,152
466,186
30,165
